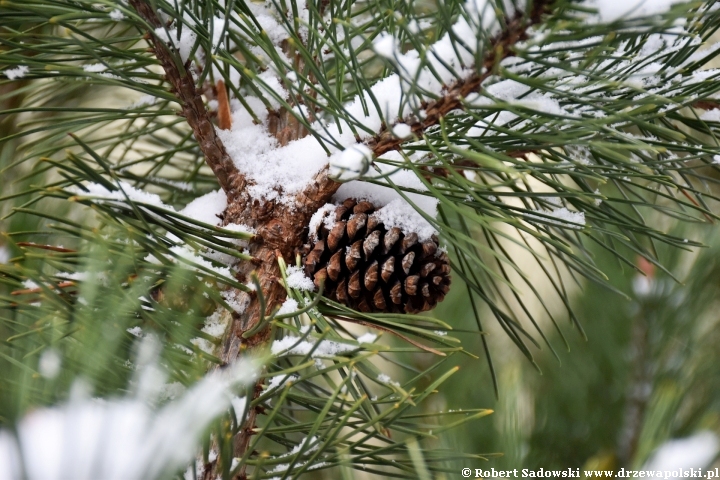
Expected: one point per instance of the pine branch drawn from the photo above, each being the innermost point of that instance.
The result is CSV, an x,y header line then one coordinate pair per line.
x,y
284,230
499,48
193,109
281,226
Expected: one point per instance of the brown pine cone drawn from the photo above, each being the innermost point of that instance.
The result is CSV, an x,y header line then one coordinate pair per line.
x,y
373,269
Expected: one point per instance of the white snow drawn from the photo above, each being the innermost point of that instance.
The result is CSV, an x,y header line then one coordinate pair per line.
x,y
268,22
351,163
239,404
402,130
49,364
564,217
271,84
191,257
567,216
394,211
117,438
309,443
142,101
280,381
613,10
515,93
95,67
291,345
290,305
135,331
218,32
399,213
368,337
385,45
215,325
697,451
182,41
17,72
207,207
4,254
275,172
203,209
296,279
711,115
117,15
322,217
385,378
237,300
134,194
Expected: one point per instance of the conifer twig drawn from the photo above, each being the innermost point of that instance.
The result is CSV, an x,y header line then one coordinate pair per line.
x,y
500,47
193,109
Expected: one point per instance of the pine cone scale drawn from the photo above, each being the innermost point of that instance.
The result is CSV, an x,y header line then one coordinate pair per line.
x,y
336,235
354,289
408,242
355,223
388,269
371,276
371,243
334,268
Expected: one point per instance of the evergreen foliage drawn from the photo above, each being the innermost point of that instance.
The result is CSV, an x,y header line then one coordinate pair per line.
x,y
538,130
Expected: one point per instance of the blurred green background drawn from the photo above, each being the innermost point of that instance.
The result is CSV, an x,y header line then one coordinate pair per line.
x,y
642,391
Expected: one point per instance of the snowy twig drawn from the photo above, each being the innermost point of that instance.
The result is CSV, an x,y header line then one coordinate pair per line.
x,y
499,48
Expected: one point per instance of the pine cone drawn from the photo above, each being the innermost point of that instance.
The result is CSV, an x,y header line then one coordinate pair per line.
x,y
373,269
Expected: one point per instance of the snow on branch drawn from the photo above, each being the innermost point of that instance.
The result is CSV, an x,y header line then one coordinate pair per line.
x,y
205,209
559,216
292,345
284,173
17,72
297,279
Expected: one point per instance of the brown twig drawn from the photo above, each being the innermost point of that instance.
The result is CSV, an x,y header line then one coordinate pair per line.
x,y
707,105
28,291
224,117
45,247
